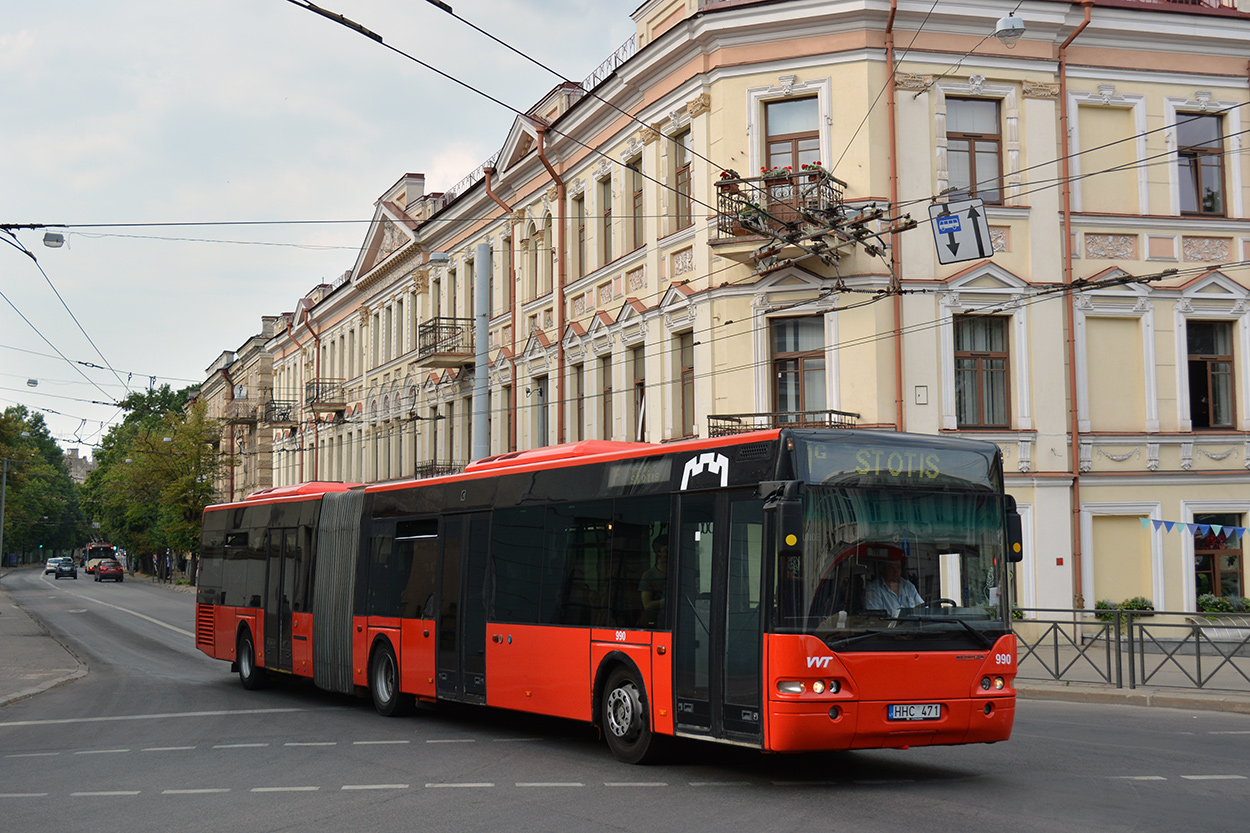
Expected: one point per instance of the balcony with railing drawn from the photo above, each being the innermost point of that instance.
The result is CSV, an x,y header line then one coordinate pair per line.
x,y
445,342
723,425
325,396
779,203
437,468
281,413
239,412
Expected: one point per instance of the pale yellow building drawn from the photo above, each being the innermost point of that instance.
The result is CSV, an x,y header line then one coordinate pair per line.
x,y
653,271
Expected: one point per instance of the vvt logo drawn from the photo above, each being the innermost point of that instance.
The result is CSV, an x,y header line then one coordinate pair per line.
x,y
709,462
818,662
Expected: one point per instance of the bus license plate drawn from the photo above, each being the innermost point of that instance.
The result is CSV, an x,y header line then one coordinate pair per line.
x,y
915,711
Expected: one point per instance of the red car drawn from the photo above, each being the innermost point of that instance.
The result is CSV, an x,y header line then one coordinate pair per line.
x,y
109,570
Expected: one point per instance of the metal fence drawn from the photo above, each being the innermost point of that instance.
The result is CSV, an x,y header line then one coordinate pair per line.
x,y
1131,648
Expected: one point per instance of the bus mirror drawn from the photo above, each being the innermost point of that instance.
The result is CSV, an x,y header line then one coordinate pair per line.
x,y
789,526
1015,532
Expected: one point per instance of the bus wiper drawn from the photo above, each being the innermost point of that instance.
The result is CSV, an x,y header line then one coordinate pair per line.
x,y
980,637
840,643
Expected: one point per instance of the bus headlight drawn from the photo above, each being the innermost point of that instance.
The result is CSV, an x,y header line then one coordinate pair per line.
x,y
791,687
985,683
818,687
999,682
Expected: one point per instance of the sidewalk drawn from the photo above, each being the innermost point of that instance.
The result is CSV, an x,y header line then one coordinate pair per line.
x,y
31,659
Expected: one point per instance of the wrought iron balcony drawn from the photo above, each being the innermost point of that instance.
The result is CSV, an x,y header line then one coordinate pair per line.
x,y
726,424
445,342
777,203
437,468
281,412
325,396
240,412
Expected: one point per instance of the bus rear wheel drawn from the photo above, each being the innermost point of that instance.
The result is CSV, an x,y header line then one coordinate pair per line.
x,y
625,722
384,683
250,676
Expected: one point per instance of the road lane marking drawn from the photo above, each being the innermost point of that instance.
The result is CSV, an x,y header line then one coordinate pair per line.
x,y
719,783
455,786
204,791
515,740
313,743
1214,777
100,751
168,748
222,713
1228,733
1138,778
634,784
285,789
240,745
453,740
142,616
23,795
375,786
33,755
377,742
104,793
550,784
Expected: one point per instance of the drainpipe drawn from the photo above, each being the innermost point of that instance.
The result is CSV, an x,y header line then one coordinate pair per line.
x,y
895,238
1078,595
225,374
487,173
559,287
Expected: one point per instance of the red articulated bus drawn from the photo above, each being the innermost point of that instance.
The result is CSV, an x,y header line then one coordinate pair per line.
x,y
826,589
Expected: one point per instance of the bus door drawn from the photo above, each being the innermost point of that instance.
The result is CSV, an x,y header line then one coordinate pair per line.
x,y
462,608
718,663
280,590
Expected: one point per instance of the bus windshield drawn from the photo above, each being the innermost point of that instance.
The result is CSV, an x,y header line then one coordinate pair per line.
x,y
896,569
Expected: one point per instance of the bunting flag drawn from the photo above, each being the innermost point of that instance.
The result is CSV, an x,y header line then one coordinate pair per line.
x,y
1230,533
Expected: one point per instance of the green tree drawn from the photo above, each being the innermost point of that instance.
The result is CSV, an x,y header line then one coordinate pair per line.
x,y
155,473
42,508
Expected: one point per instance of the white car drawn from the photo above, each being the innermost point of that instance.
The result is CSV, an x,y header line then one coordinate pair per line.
x,y
50,566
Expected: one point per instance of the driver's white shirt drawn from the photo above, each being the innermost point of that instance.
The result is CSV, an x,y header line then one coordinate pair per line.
x,y
879,596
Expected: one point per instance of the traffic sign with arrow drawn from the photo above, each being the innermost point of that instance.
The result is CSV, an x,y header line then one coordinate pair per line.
x,y
960,231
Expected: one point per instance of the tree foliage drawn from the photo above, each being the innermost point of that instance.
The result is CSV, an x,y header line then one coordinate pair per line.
x,y
155,473
41,500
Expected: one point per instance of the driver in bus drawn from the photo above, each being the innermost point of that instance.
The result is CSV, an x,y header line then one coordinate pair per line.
x,y
889,591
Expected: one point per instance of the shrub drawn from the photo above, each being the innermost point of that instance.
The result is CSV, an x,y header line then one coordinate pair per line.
x,y
1211,603
1137,603
1105,604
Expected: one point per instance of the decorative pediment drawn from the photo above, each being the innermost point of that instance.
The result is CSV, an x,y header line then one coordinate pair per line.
x,y
1215,289
522,139
986,276
391,231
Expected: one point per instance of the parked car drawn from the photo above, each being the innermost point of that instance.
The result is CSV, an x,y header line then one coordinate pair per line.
x,y
50,566
67,568
109,571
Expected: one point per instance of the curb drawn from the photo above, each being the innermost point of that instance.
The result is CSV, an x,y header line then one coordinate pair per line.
x,y
81,669
1174,699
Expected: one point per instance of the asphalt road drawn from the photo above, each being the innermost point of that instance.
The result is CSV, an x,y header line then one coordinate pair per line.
x,y
158,737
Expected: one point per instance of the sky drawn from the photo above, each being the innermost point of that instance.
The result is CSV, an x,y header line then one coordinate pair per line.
x,y
197,149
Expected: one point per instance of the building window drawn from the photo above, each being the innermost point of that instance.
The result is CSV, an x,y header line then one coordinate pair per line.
x,y
605,376
634,178
579,215
685,352
981,372
508,440
1210,373
1200,164
792,127
973,149
538,400
683,210
799,364
638,361
1218,557
605,227
548,258
579,394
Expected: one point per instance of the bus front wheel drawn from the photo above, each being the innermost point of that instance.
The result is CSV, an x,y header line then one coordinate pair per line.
x,y
250,675
625,722
384,683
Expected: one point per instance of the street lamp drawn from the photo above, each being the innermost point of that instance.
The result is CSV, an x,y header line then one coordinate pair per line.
x,y
1009,30
4,488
